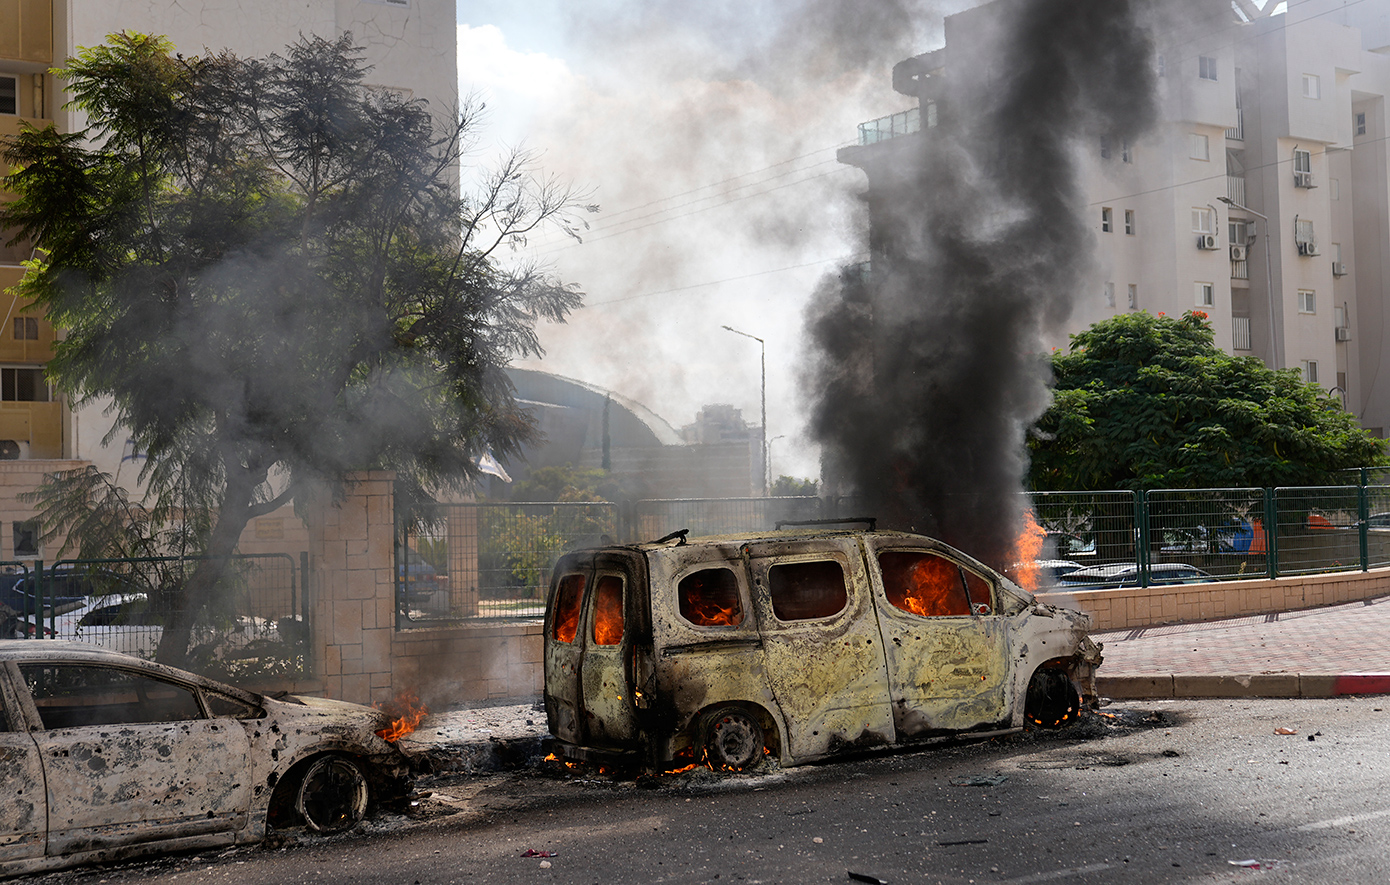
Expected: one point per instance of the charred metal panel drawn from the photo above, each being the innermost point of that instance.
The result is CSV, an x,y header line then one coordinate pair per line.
x,y
563,658
137,783
828,674
945,674
1044,633
23,806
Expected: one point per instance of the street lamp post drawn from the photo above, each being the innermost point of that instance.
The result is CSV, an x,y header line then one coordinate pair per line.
x,y
1269,281
762,345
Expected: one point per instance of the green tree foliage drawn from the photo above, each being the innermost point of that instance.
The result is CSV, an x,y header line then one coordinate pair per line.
x,y
569,483
794,487
1145,402
267,268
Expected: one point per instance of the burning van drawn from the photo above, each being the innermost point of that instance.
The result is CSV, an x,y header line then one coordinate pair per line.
x,y
798,644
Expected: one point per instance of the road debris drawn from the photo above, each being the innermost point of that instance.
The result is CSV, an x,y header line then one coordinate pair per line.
x,y
531,852
864,877
979,780
1284,729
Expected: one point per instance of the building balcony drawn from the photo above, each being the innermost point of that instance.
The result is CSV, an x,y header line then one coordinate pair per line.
x,y
1240,270
891,126
1235,189
1240,327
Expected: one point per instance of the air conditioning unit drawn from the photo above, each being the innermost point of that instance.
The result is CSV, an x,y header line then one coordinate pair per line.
x,y
1339,269
1238,253
1308,249
1206,241
1343,333
1303,179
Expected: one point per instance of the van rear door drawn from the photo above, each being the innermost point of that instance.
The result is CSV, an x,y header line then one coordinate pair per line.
x,y
613,627
564,645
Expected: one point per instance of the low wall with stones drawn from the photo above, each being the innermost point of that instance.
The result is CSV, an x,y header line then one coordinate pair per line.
x,y
1129,607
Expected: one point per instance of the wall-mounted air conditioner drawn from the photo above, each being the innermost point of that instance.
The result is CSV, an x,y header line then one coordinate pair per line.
x,y
1206,241
1339,269
1343,333
1303,179
1238,253
14,450
1308,249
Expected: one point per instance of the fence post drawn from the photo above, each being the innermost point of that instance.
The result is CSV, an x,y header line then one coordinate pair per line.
x,y
1271,533
1141,529
303,587
38,599
1362,515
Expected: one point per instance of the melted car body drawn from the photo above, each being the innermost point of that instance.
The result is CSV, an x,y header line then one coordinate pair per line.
x,y
798,645
107,756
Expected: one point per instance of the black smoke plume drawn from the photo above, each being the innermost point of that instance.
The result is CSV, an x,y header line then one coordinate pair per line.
x,y
928,373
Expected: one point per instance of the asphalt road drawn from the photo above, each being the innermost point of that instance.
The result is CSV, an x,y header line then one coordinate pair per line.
x,y
1170,791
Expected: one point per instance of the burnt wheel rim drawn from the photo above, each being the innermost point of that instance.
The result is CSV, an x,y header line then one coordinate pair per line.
x,y
332,796
733,741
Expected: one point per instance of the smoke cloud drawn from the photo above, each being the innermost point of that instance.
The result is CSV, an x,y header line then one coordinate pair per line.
x,y
926,377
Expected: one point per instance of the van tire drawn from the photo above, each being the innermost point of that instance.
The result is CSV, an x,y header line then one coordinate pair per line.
x,y
331,796
731,739
1053,700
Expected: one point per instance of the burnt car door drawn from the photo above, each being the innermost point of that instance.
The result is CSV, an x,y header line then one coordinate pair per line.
x,y
607,663
824,657
946,647
24,809
564,645
130,757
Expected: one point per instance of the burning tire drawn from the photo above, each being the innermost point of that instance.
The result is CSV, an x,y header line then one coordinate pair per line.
x,y
731,739
1052,699
332,795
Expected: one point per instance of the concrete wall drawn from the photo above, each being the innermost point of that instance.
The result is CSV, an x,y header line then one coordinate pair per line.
x,y
1150,606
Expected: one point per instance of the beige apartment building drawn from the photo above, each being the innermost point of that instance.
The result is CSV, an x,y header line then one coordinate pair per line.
x,y
1262,114
411,46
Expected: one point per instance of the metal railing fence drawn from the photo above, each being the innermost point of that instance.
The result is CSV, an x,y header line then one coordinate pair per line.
x,y
255,623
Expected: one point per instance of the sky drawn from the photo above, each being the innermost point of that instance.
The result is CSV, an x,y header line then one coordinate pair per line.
x,y
707,135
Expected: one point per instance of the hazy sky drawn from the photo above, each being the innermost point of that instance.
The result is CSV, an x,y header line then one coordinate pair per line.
x,y
707,133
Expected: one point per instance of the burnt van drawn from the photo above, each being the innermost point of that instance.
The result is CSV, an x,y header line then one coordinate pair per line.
x,y
798,645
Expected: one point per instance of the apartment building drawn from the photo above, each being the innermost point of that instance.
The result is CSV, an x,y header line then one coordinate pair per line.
x,y
411,46
1262,197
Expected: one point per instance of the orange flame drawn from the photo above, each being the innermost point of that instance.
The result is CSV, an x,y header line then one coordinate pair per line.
x,y
1027,546
608,611
405,711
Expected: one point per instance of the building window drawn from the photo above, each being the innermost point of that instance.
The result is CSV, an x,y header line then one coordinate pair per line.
x,y
1126,152
1335,186
26,539
1129,222
1206,67
1105,147
23,386
1107,219
1198,150
9,95
1312,86
1307,301
1133,296
1161,66
1304,237
1310,371
1205,294
930,108
1201,221
1241,233
26,329
1302,160
1358,120
1109,294
1339,315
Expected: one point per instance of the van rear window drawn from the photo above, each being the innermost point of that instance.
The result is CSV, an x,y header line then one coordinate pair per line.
x,y
608,610
568,597
709,598
928,585
802,591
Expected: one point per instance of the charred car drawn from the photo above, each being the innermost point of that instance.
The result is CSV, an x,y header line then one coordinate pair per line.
x,y
108,756
798,645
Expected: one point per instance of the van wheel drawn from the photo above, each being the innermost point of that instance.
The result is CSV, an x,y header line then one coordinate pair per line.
x,y
332,795
732,739
1052,699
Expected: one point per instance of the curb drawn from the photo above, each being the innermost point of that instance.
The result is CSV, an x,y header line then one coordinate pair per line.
x,y
1259,685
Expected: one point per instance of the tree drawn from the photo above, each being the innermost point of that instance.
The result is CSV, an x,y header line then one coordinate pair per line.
x,y
1145,402
794,487
268,269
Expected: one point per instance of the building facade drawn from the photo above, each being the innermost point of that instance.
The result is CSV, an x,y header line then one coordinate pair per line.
x,y
1261,197
411,48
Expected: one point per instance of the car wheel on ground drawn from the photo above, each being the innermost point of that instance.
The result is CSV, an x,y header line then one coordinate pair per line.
x,y
332,794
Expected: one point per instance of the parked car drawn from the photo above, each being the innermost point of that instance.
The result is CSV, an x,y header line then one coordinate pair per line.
x,y
122,622
1126,574
799,645
422,581
109,756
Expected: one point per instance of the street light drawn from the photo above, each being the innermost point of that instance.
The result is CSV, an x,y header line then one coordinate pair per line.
x,y
763,433
1269,282
769,456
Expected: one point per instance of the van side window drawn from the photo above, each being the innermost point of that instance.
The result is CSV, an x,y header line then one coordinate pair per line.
x,y
608,610
802,591
568,597
709,598
926,584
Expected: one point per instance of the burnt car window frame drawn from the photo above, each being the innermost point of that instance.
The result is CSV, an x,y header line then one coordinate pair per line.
x,y
590,607
740,587
770,562
991,586
111,706
554,610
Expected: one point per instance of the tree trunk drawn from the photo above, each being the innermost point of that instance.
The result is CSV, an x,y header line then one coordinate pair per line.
x,y
189,601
